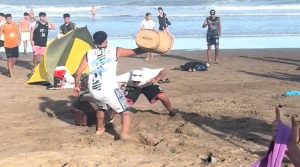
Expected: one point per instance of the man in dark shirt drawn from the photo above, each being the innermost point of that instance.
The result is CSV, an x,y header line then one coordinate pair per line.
x,y
68,25
213,32
39,37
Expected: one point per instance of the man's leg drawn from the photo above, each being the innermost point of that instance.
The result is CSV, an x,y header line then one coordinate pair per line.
x,y
125,119
216,53
25,47
208,53
9,66
167,103
100,122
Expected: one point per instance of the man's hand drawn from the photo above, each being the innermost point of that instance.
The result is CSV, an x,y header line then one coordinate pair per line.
x,y
76,91
32,43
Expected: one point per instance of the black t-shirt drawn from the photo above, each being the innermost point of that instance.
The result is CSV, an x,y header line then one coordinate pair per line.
x,y
213,25
40,34
163,22
64,29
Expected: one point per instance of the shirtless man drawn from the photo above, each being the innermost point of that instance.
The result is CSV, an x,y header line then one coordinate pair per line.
x,y
24,28
31,14
93,12
39,37
102,63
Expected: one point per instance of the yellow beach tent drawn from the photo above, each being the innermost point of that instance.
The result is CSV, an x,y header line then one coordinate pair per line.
x,y
66,51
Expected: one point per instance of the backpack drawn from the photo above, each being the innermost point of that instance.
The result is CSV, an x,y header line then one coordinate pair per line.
x,y
193,66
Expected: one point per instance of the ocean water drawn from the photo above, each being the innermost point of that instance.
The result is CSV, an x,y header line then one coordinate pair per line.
x,y
263,22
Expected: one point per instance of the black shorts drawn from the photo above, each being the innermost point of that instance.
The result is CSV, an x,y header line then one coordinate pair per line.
x,y
151,92
12,52
212,39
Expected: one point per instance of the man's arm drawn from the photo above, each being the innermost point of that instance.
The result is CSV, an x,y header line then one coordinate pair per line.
x,y
83,65
19,34
31,34
52,26
293,149
204,23
121,52
220,27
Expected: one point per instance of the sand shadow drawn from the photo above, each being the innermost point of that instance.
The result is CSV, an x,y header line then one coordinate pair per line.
x,y
133,110
57,109
274,60
3,71
232,129
275,75
22,63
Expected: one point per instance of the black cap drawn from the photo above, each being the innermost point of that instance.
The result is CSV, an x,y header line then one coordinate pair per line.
x,y
42,14
66,15
8,15
99,37
2,14
212,12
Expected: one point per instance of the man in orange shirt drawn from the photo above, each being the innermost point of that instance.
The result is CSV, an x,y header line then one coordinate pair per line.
x,y
25,31
12,40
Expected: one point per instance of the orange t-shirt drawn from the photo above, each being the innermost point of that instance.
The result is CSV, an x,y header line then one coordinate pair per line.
x,y
10,32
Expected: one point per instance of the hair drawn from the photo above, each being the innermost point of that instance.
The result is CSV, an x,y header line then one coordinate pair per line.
x,y
26,14
148,14
2,14
42,14
160,8
66,15
212,12
99,37
8,15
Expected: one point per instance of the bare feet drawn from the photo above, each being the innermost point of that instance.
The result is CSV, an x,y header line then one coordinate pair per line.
x,y
99,132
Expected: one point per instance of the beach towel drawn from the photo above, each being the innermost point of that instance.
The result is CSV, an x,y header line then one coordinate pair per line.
x,y
277,148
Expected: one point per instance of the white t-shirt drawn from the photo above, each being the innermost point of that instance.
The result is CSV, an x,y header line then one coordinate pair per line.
x,y
143,76
148,24
102,65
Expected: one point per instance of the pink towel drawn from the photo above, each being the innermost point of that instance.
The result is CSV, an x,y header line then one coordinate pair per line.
x,y
277,148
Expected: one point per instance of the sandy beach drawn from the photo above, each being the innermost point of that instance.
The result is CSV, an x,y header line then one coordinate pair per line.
x,y
227,110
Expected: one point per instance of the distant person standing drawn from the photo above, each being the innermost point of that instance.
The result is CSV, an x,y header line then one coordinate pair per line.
x,y
68,25
163,20
93,12
213,32
12,40
148,24
31,14
39,37
24,27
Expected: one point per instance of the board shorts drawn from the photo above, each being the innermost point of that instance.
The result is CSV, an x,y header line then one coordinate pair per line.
x,y
151,92
212,39
12,52
25,36
38,50
114,99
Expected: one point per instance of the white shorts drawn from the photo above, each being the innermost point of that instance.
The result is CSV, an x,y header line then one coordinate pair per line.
x,y
25,36
114,98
